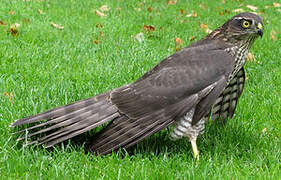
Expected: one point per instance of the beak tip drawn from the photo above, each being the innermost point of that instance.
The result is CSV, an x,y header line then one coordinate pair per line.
x,y
260,32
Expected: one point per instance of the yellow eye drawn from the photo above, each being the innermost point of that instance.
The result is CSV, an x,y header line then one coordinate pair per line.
x,y
246,24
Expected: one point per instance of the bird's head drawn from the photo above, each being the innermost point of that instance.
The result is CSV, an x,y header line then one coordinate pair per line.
x,y
240,28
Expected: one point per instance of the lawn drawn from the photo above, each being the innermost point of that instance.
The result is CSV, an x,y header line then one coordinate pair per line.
x,y
86,52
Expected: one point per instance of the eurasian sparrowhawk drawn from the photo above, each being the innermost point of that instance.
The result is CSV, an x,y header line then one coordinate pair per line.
x,y
183,89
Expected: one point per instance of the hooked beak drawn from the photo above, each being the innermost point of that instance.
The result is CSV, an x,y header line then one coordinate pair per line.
x,y
260,29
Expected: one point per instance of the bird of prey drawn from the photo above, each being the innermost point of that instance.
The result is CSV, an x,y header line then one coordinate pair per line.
x,y
206,77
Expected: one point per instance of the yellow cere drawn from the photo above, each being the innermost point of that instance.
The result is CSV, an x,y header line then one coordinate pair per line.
x,y
259,26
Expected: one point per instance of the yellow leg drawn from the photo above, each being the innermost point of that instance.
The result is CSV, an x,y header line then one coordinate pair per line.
x,y
194,148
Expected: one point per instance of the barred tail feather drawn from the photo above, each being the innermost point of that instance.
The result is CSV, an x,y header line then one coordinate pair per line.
x,y
68,121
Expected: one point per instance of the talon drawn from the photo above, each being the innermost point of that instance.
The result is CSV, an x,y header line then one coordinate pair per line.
x,y
194,148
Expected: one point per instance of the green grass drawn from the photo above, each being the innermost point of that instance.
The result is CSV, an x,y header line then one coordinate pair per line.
x,y
44,67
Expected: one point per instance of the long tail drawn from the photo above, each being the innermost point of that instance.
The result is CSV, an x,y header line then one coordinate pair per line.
x,y
68,121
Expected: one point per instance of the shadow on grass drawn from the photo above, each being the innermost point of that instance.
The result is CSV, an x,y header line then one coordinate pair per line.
x,y
218,139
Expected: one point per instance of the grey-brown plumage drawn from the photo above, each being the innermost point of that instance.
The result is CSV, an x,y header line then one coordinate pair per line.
x,y
183,88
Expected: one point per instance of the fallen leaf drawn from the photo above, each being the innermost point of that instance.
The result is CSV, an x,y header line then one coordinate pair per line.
x,y
202,6
276,4
238,10
267,6
264,131
139,37
137,9
12,12
178,42
2,23
150,9
100,13
223,1
182,11
192,38
273,35
188,15
98,25
26,20
253,8
104,8
205,28
57,26
149,28
40,11
14,29
251,57
101,34
194,14
10,95
171,2
96,41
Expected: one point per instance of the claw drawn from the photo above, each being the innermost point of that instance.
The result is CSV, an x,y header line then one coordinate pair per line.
x,y
194,148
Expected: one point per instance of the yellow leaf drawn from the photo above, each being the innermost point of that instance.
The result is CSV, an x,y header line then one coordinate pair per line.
x,y
253,8
14,29
192,38
251,57
104,8
171,2
273,35
100,13
56,26
238,10
205,28
276,5
40,11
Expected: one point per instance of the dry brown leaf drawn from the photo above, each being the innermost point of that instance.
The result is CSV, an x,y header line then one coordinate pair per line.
x,y
273,35
251,57
12,12
202,6
40,11
10,96
171,2
194,14
98,25
2,23
149,28
263,130
205,28
276,4
253,8
96,41
57,26
192,38
238,10
178,42
150,9
104,8
26,20
101,14
182,11
139,37
14,29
